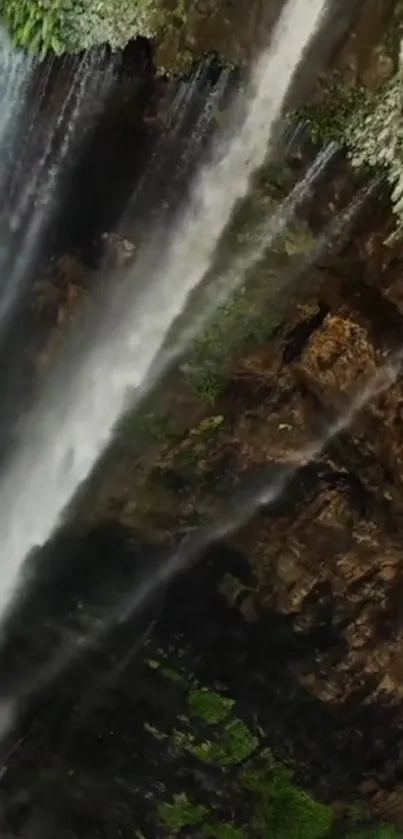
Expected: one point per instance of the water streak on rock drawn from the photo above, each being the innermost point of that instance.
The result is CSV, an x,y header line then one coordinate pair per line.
x,y
73,424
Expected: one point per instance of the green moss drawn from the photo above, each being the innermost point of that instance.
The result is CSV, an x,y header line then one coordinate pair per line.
x,y
282,810
240,323
239,742
249,314
182,813
229,744
209,706
271,804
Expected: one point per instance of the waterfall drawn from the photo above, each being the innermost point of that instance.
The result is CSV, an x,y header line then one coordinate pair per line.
x,y
15,69
71,426
241,513
217,292
32,207
193,547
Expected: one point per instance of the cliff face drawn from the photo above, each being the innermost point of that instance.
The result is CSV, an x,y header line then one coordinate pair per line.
x,y
294,620
326,558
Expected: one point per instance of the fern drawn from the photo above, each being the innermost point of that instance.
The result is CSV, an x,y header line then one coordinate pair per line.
x,y
59,26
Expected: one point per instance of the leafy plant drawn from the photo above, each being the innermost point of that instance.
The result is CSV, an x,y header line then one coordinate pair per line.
x,y
68,26
37,25
374,138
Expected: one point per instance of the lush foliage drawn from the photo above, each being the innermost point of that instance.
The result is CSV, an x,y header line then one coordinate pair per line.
x,y
374,137
111,21
37,25
58,26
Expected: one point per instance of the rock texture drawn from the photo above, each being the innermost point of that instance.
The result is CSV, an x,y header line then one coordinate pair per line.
x,y
295,618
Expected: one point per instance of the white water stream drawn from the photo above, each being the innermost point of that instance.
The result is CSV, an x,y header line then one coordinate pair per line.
x,y
15,69
70,428
38,199
194,546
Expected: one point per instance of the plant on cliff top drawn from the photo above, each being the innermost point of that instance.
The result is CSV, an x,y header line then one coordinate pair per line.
x,y
374,138
114,22
68,26
36,25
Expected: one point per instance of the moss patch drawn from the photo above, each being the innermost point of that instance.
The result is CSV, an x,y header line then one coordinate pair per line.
x,y
181,813
248,316
283,811
209,706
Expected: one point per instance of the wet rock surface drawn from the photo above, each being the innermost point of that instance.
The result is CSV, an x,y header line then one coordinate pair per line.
x,y
296,618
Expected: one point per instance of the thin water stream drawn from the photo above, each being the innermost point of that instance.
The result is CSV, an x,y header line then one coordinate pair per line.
x,y
240,513
71,426
193,547
28,215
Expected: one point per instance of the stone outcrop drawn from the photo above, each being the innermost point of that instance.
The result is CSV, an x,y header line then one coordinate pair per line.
x,y
296,617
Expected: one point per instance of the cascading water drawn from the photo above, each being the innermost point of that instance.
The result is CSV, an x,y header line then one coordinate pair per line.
x,y
71,426
264,497
189,123
15,69
124,601
216,292
193,547
26,216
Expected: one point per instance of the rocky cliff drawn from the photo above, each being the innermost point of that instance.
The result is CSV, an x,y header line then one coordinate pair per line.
x,y
283,645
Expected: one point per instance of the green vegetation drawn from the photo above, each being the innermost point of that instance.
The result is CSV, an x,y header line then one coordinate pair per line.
x,y
367,122
247,316
263,797
282,810
37,26
232,746
67,26
374,138
329,118
209,706
369,125
239,322
182,813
